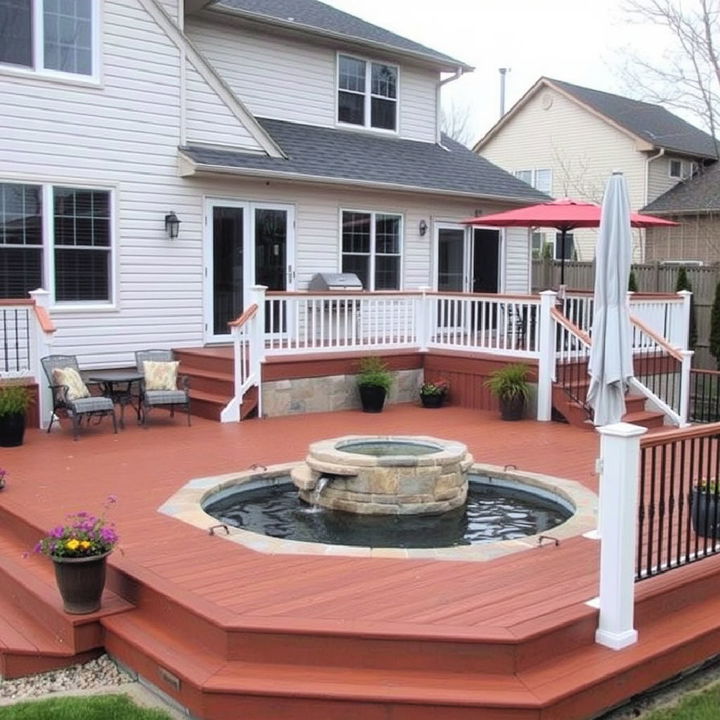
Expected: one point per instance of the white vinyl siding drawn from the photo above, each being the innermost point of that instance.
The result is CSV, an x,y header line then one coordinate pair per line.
x,y
516,270
285,79
209,120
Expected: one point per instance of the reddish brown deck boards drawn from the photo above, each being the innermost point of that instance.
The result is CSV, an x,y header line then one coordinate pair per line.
x,y
53,475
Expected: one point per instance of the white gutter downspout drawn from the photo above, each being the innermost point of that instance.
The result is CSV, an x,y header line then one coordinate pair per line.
x,y
438,107
659,154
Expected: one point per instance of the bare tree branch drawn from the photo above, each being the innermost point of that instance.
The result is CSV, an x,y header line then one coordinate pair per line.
x,y
455,122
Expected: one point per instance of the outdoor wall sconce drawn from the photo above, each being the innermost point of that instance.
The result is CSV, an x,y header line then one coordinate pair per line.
x,y
422,228
172,225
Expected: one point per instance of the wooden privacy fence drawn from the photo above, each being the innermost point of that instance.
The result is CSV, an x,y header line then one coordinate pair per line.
x,y
650,277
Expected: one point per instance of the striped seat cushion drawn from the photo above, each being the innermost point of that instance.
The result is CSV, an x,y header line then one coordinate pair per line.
x,y
91,404
165,397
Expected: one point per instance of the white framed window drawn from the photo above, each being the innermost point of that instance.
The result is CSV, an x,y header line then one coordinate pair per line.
x,y
569,246
372,248
539,178
367,93
675,168
58,237
51,37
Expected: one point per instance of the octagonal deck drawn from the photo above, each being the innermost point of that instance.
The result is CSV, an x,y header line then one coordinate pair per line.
x,y
503,601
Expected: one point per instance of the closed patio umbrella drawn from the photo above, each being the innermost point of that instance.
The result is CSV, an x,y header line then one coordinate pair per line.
x,y
611,361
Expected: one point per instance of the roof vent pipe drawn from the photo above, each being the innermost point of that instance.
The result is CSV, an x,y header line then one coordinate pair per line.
x,y
503,72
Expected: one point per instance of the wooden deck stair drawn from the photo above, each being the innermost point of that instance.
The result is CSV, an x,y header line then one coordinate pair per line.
x,y
210,371
555,671
36,635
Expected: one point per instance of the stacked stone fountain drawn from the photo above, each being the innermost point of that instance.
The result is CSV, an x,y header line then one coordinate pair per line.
x,y
408,476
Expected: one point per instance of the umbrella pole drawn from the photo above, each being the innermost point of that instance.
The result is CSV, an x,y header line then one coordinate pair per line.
x,y
562,256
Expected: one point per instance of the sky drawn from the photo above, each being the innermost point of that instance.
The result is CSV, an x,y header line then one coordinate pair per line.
x,y
578,41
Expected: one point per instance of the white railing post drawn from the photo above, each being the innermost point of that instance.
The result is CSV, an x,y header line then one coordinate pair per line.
x,y
619,478
257,339
422,318
684,336
41,346
546,362
684,409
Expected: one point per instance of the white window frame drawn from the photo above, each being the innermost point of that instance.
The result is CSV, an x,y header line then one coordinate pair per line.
x,y
38,54
48,239
534,177
368,95
372,254
671,162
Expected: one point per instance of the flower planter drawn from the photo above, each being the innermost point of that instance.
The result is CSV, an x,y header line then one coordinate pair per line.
x,y
512,408
704,513
432,401
12,429
81,581
372,398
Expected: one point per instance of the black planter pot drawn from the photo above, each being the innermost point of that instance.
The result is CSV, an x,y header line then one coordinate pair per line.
x,y
81,582
12,429
512,408
704,513
372,398
432,401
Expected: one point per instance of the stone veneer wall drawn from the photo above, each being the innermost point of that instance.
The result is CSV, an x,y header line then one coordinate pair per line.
x,y
336,392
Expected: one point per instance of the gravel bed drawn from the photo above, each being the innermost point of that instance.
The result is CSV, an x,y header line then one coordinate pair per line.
x,y
99,673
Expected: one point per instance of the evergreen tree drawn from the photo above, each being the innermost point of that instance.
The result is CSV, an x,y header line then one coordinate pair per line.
x,y
632,283
683,283
715,327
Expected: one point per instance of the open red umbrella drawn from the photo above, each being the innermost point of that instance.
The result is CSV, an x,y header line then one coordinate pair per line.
x,y
563,215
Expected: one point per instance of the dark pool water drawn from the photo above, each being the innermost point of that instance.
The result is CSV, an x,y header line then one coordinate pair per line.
x,y
388,448
491,514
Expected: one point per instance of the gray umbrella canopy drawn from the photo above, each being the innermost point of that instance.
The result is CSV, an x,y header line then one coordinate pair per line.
x,y
611,359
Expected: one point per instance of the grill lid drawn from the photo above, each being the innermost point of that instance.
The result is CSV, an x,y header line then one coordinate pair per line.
x,y
335,281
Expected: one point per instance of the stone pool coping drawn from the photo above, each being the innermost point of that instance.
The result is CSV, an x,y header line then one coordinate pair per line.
x,y
186,505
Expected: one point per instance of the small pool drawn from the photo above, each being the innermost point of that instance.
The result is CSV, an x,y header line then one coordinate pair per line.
x,y
491,514
388,448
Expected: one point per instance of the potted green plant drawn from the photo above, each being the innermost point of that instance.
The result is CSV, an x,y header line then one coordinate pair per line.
x,y
79,550
374,381
511,387
704,508
14,402
433,393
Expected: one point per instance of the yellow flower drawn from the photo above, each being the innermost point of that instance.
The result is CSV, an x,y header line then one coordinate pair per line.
x,y
72,544
85,544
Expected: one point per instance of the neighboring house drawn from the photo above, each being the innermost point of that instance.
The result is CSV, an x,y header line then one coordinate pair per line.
x,y
566,140
695,204
287,137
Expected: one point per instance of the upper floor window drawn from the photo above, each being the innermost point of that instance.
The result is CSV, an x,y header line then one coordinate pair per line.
x,y
371,248
676,169
55,232
540,179
57,36
367,93
682,169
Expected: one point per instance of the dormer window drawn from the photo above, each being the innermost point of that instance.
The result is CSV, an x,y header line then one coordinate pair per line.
x,y
367,93
49,36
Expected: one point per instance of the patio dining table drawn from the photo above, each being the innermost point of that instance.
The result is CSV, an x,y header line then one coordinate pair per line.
x,y
118,386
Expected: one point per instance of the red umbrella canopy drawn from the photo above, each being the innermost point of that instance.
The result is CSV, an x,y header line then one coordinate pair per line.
x,y
564,214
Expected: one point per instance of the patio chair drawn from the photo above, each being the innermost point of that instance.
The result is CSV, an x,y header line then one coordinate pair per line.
x,y
161,386
71,395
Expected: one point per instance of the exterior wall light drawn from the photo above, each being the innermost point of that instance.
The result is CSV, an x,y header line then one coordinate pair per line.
x,y
172,225
422,228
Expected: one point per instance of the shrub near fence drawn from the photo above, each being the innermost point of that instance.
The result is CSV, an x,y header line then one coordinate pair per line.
x,y
650,277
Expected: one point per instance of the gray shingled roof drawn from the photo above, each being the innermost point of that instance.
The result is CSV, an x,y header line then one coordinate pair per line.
x,y
698,194
316,16
320,152
650,122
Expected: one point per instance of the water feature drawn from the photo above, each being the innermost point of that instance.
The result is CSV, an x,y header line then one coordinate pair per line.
x,y
490,514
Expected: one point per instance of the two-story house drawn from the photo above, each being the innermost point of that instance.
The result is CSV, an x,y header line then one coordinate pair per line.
x,y
159,158
566,140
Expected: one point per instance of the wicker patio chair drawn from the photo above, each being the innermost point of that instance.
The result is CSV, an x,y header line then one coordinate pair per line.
x,y
64,401
169,398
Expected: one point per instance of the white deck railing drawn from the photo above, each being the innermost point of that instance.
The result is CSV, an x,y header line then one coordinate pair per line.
x,y
514,326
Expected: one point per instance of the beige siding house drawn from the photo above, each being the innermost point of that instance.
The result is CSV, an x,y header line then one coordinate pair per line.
x,y
566,141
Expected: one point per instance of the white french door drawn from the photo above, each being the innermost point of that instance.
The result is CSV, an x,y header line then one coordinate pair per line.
x,y
245,244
